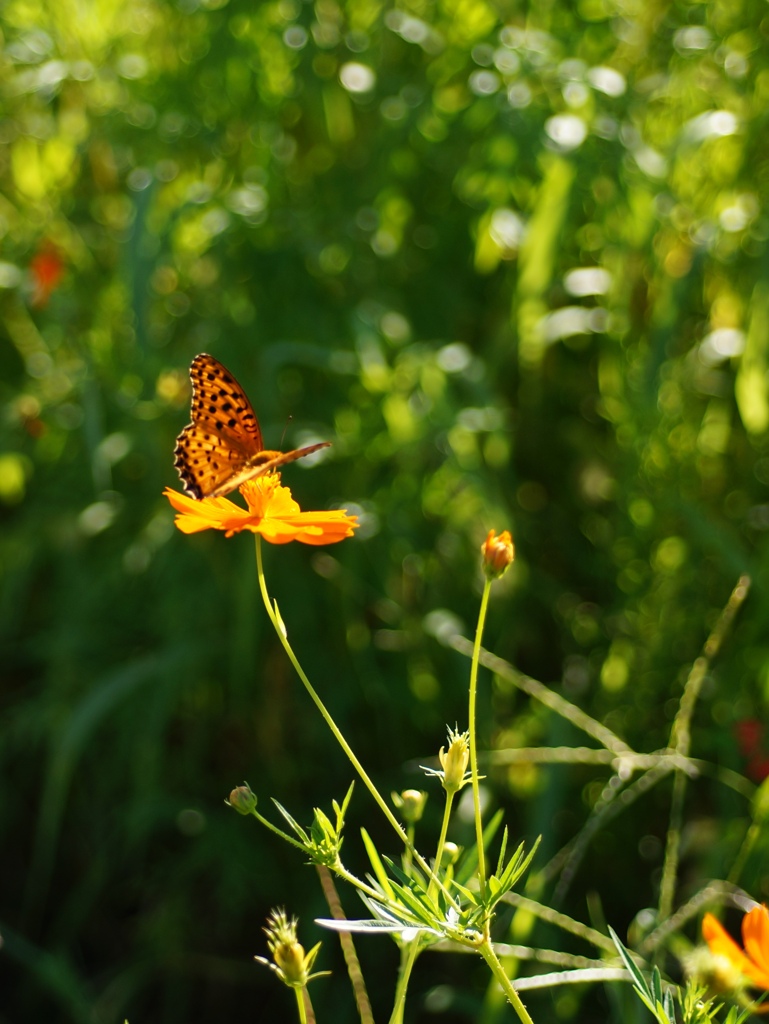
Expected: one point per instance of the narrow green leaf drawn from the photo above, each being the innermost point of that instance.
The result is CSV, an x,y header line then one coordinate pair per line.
x,y
376,927
376,864
656,986
503,850
469,862
469,895
630,964
342,811
294,824
416,878
417,902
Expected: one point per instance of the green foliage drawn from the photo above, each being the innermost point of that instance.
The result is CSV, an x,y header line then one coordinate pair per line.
x,y
323,842
651,994
513,264
695,1006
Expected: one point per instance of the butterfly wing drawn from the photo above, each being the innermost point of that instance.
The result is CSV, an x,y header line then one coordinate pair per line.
x,y
220,406
205,463
222,447
219,480
223,435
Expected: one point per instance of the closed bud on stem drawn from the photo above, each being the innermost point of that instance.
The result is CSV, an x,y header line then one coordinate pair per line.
x,y
449,855
290,962
289,957
243,800
411,804
498,554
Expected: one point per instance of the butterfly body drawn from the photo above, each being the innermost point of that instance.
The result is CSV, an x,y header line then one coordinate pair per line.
x,y
222,447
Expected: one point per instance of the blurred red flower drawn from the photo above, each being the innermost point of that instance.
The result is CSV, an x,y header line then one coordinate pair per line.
x,y
750,734
46,268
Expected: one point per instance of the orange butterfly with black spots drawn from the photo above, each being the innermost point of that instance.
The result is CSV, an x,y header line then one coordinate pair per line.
x,y
222,447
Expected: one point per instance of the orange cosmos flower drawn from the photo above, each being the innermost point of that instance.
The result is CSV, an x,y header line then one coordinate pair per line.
x,y
272,512
753,962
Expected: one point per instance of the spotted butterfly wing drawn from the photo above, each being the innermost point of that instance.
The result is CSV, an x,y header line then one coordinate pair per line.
x,y
222,447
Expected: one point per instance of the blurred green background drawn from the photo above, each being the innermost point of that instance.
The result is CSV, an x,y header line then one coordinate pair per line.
x,y
512,260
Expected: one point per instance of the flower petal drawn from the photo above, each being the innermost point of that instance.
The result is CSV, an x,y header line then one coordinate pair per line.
x,y
272,512
755,935
721,943
755,930
266,496
210,513
308,528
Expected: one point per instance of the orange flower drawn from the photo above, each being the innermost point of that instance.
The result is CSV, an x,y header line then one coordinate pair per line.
x,y
272,512
753,962
498,553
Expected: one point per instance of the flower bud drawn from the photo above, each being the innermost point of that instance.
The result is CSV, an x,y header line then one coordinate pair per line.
x,y
411,804
498,554
454,762
243,800
450,854
289,957
289,960
287,952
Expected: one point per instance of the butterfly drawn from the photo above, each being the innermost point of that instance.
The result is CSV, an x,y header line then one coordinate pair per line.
x,y
222,447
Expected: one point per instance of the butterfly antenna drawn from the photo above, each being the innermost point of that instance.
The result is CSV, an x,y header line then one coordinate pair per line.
x,y
285,428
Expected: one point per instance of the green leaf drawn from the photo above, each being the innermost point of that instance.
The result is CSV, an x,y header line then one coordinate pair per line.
x,y
640,982
294,824
503,850
656,987
469,863
342,811
363,926
469,894
377,865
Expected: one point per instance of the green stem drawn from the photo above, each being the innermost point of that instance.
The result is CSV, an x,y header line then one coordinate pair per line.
x,y
278,832
408,959
280,630
681,742
745,850
473,741
487,952
441,842
407,855
341,871
304,1006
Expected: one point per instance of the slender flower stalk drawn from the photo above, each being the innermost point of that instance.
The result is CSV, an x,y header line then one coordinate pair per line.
x,y
498,553
441,841
409,955
497,556
304,1006
411,804
275,619
453,776
473,738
